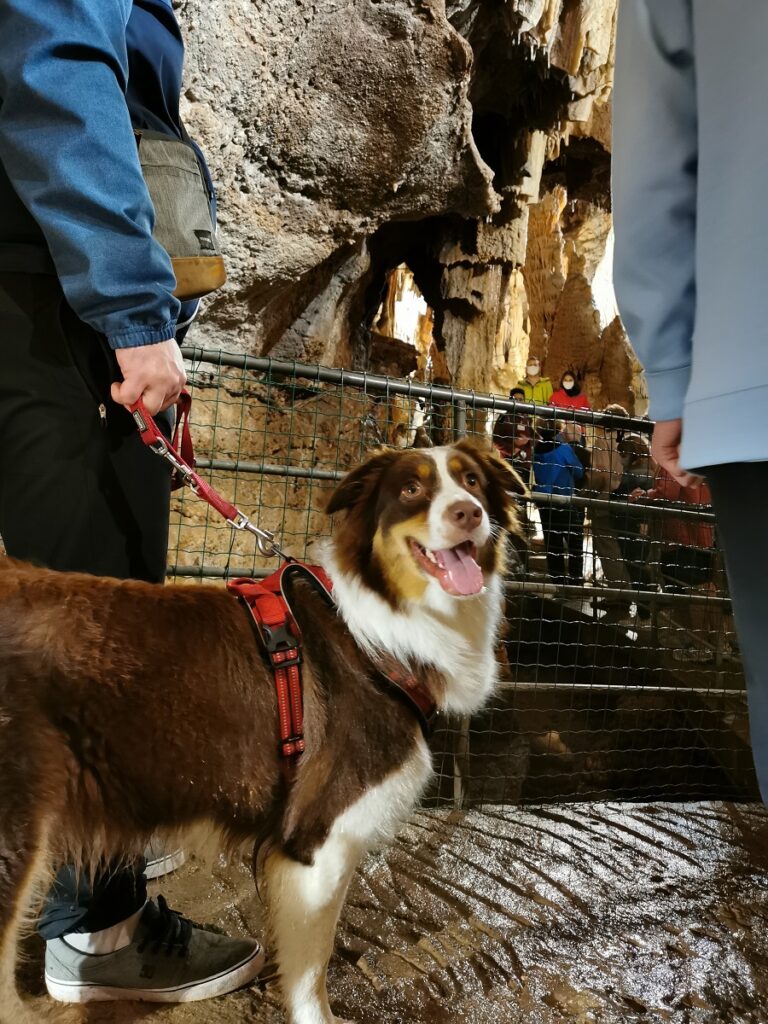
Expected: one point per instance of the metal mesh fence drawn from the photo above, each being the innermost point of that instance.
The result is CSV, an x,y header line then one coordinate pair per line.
x,y
621,676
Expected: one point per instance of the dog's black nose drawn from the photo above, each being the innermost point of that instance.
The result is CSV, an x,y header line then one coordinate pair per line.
x,y
464,514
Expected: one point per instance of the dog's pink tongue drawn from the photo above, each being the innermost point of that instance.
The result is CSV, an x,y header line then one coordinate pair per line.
x,y
463,575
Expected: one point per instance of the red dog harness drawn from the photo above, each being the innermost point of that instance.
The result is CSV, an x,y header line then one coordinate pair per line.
x,y
280,635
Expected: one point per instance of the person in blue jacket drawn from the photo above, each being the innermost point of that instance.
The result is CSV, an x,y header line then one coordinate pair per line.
x,y
691,222
88,324
556,470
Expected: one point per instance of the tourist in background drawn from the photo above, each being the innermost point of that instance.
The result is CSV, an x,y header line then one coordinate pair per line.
x,y
513,437
535,388
631,525
556,471
569,395
604,477
686,559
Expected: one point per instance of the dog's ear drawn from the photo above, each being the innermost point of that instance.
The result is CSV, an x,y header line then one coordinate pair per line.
x,y
357,485
496,467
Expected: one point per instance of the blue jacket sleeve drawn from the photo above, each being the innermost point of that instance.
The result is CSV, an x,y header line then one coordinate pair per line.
x,y
67,145
654,192
572,460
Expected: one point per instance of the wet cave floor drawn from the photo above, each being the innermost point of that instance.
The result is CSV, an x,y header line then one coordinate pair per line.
x,y
599,912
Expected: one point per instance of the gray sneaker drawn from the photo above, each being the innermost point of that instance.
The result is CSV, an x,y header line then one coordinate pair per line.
x,y
169,961
161,861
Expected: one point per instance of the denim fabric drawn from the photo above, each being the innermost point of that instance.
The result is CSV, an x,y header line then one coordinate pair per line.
x,y
67,147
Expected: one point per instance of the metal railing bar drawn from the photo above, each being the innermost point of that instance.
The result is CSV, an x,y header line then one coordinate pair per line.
x,y
215,572
622,688
639,511
544,589
270,469
539,589
396,386
634,509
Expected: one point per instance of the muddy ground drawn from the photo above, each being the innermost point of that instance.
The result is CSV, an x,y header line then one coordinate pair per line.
x,y
588,913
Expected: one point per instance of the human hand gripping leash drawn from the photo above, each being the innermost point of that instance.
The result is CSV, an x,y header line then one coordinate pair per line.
x,y
181,458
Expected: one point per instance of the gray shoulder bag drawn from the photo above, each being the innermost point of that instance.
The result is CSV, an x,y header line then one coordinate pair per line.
x,y
183,220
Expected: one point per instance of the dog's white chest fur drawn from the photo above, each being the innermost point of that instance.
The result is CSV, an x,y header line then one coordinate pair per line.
x,y
456,637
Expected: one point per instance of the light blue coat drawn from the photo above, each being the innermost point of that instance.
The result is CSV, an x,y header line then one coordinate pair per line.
x,y
690,177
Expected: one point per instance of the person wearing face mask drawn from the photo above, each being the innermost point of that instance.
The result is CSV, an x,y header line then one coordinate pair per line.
x,y
535,387
569,395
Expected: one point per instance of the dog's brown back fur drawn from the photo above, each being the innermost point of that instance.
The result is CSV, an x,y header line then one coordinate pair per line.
x,y
128,709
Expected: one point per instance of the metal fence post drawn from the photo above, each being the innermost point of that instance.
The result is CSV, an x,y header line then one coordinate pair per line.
x,y
459,419
461,746
461,777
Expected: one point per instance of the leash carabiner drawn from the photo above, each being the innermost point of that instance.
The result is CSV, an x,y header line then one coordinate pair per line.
x,y
184,474
265,539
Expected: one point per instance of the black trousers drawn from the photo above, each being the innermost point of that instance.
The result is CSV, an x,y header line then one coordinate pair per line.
x,y
740,499
78,492
563,529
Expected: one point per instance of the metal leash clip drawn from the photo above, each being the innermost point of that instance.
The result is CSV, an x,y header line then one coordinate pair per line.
x,y
265,539
185,475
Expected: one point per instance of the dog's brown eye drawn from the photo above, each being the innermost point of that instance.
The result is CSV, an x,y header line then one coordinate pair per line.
x,y
411,490
471,479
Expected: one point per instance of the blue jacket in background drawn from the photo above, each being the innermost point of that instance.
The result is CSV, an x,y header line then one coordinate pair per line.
x,y
555,468
67,146
689,166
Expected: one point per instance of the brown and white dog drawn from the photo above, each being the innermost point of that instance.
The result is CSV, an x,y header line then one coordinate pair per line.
x,y
128,709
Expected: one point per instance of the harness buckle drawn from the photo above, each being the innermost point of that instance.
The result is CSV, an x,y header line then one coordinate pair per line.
x,y
282,646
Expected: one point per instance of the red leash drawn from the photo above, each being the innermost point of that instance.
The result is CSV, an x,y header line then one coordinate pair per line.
x,y
265,599
183,461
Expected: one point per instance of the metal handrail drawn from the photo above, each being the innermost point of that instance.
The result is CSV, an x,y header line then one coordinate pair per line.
x,y
411,389
635,509
540,588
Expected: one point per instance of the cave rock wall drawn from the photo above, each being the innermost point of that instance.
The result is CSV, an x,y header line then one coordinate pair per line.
x,y
466,140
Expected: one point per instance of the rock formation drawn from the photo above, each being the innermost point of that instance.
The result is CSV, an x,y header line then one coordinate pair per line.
x,y
466,140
